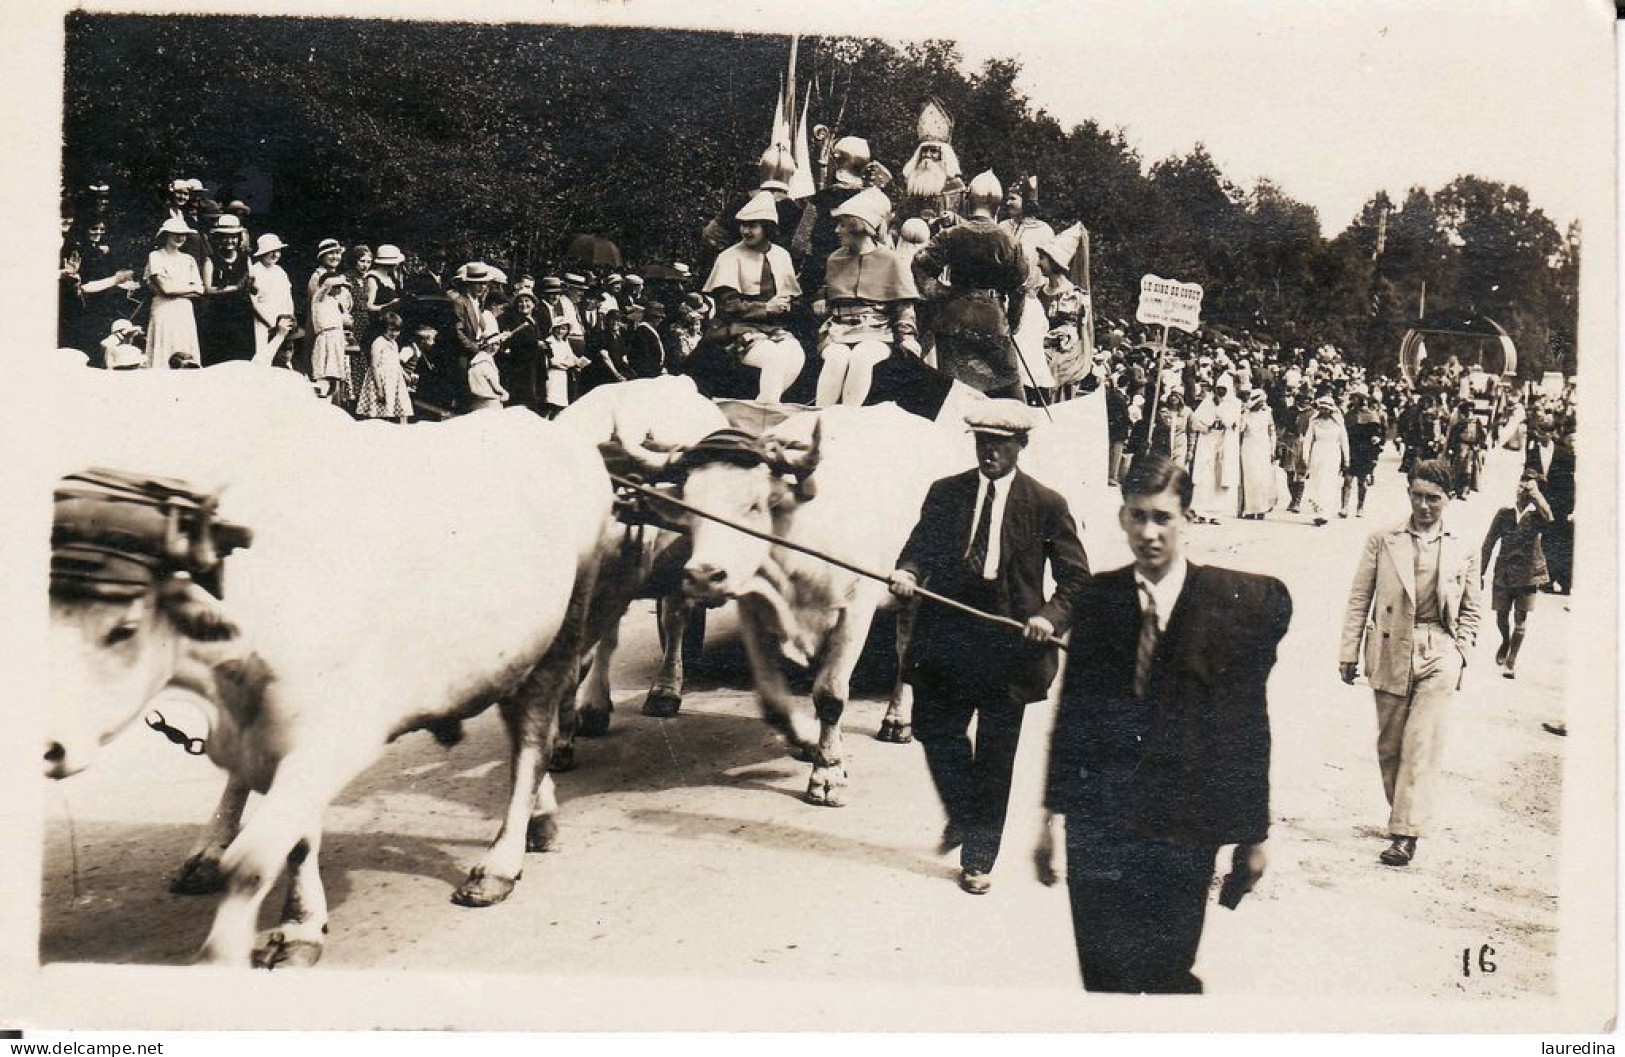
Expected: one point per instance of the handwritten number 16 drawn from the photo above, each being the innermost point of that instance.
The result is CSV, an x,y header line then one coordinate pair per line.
x,y
1484,963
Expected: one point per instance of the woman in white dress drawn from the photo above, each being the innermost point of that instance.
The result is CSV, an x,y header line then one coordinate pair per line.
x,y
1257,457
869,297
1326,452
175,281
1030,233
1215,426
272,300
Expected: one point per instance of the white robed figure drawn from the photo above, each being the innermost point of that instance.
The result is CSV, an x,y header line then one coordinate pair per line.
x,y
1326,453
1257,457
1216,459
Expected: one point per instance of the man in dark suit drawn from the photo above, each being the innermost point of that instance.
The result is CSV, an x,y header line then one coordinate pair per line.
x,y
1551,455
1161,746
983,539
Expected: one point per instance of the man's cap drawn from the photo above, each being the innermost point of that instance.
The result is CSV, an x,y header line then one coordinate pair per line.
x,y
1000,418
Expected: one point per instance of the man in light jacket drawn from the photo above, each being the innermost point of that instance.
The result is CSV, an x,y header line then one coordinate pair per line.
x,y
1415,604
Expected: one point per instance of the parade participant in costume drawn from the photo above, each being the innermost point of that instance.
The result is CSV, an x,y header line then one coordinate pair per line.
x,y
1257,457
973,320
1160,752
1414,605
869,296
984,538
1216,457
755,286
1067,344
852,170
1521,568
1023,223
932,180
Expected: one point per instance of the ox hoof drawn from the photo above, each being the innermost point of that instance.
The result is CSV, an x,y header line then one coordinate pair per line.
x,y
827,787
564,759
895,732
198,877
594,723
280,952
662,704
483,889
542,834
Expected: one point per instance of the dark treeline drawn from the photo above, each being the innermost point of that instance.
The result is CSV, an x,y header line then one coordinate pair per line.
x,y
502,141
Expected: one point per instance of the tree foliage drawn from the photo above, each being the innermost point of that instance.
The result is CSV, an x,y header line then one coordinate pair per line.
x,y
504,140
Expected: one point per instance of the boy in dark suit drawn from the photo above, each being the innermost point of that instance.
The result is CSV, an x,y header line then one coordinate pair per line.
x,y
1161,747
983,539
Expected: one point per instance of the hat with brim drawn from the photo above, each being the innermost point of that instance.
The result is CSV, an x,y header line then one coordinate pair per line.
x,y
194,185
773,185
175,226
122,327
683,271
572,279
760,209
179,185
326,246
1325,403
869,205
389,255
551,285
1000,418
473,272
269,243
227,225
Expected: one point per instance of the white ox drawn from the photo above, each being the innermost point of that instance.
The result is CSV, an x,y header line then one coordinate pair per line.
x,y
638,418
868,470
399,578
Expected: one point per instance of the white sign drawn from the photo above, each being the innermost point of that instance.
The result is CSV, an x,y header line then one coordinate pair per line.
x,y
1170,302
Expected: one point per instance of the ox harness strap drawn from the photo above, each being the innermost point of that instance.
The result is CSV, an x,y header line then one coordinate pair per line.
x,y
117,535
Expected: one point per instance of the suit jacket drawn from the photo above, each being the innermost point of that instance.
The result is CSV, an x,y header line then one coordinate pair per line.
x,y
1190,761
1382,604
1559,486
468,316
1037,528
1523,561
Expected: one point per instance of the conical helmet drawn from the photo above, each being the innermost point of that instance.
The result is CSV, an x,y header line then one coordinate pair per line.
x,y
984,191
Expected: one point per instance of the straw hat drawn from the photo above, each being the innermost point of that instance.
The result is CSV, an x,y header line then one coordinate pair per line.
x,y
389,255
269,243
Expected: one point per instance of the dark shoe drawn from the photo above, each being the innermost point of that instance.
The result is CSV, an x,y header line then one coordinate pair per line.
x,y
1400,852
952,837
1508,673
1560,729
1319,521
1501,654
975,882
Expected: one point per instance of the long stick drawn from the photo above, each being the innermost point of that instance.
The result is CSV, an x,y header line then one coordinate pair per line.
x,y
922,592
1156,392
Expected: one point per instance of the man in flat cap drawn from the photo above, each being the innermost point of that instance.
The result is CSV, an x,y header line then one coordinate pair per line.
x,y
983,539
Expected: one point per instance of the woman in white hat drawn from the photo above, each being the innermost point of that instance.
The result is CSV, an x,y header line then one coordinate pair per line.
x,y
869,296
1326,451
119,351
754,284
227,327
172,275
383,285
1257,457
271,300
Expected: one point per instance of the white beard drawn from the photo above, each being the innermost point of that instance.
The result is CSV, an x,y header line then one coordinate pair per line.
x,y
925,178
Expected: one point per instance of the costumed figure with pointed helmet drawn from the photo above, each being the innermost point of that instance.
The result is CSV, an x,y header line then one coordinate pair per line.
x,y
1023,223
978,276
754,285
870,295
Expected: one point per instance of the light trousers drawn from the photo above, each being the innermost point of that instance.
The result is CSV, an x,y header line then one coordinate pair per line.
x,y
1410,731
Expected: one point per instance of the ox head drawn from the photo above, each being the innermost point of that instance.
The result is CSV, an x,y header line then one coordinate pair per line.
x,y
124,609
756,483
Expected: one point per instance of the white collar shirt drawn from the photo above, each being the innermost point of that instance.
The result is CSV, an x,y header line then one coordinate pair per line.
x,y
1165,592
1001,496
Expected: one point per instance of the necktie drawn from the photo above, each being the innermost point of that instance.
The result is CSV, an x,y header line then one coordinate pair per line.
x,y
1148,641
976,556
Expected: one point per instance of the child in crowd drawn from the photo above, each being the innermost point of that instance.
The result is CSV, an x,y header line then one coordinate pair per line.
x,y
561,361
383,387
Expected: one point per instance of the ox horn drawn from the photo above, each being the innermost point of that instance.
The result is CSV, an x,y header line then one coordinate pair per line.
x,y
802,461
650,456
